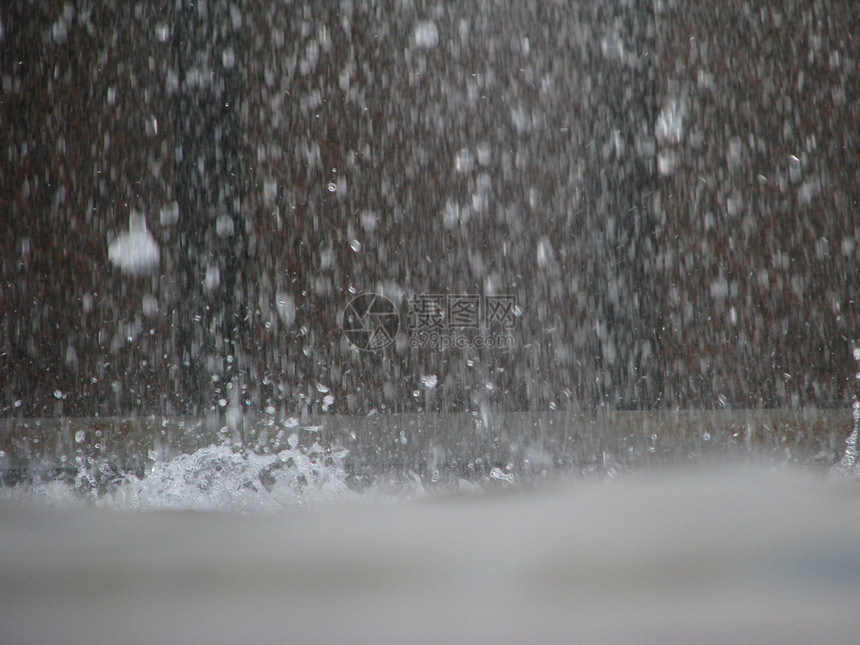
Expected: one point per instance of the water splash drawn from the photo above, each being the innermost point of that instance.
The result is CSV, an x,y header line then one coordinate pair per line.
x,y
847,466
211,478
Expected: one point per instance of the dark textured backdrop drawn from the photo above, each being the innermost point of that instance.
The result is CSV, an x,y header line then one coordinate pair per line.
x,y
670,191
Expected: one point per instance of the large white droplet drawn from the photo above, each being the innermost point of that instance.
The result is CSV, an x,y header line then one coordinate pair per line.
x,y
426,34
136,251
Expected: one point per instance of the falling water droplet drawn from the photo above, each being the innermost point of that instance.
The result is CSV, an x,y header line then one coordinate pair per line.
x,y
426,34
429,381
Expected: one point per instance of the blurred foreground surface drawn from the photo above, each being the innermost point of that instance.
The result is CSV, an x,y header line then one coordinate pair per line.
x,y
722,554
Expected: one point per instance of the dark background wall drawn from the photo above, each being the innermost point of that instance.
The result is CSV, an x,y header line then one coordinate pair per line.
x,y
670,193
759,251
